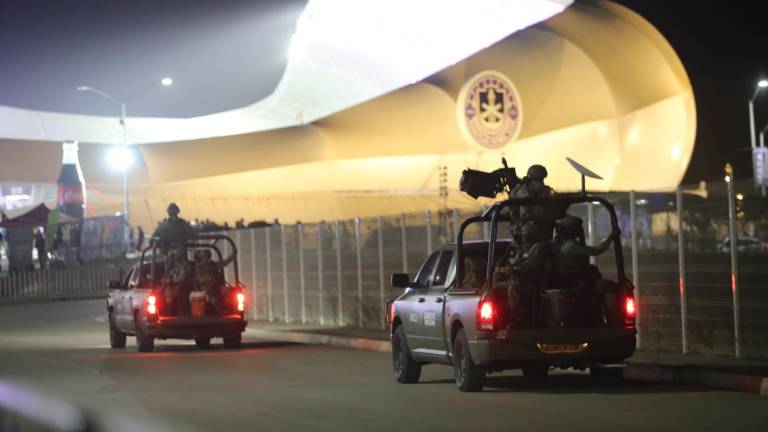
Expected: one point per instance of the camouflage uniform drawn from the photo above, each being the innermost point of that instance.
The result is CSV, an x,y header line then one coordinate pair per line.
x,y
572,265
177,283
207,277
533,187
473,276
522,274
173,232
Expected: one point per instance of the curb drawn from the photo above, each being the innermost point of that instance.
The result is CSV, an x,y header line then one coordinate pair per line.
x,y
637,371
321,339
697,376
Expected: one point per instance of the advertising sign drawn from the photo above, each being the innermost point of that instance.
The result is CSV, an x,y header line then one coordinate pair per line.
x,y
760,165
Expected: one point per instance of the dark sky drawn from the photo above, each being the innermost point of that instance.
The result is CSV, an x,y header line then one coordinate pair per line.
x,y
724,48
221,54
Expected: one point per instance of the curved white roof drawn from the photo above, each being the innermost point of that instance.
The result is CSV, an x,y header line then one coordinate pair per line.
x,y
344,52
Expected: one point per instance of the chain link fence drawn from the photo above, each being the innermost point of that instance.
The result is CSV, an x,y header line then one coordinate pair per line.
x,y
698,291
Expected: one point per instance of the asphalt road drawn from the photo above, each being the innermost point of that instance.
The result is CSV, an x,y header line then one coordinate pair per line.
x,y
61,349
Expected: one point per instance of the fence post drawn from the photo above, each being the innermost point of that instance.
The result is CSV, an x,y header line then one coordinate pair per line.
x,y
338,274
455,214
286,315
382,304
302,285
733,236
404,242
428,217
681,264
254,304
239,244
359,253
320,271
269,276
635,263
591,229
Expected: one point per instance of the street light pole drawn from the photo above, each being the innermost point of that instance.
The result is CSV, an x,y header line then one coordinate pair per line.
x,y
760,85
123,109
123,118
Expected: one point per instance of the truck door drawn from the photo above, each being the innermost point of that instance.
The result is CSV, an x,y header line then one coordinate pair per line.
x,y
415,297
121,309
433,327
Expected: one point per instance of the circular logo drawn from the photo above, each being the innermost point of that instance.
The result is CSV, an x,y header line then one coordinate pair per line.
x,y
489,110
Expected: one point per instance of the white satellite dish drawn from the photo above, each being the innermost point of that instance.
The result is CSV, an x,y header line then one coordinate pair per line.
x,y
585,172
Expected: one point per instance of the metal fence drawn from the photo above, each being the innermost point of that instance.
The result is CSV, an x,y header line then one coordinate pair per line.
x,y
694,294
699,287
56,283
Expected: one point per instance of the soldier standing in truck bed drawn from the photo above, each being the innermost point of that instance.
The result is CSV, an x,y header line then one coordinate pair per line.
x,y
173,232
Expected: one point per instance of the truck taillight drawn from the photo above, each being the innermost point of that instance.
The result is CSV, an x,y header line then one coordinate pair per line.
x,y
630,310
240,300
486,315
151,304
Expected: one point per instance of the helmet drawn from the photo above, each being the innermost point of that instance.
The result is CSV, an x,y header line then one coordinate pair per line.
x,y
537,172
570,226
173,210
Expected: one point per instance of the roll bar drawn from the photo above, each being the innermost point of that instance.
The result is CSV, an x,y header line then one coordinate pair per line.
x,y
199,241
558,205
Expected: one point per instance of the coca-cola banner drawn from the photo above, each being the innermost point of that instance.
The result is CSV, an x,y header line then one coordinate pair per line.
x,y
70,195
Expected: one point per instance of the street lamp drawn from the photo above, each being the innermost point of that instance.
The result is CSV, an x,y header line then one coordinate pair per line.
x,y
121,157
760,85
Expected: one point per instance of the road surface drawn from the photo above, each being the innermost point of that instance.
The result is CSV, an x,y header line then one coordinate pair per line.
x,y
61,349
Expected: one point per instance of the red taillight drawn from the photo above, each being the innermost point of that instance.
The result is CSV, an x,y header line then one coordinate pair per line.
x,y
240,299
486,315
151,304
629,307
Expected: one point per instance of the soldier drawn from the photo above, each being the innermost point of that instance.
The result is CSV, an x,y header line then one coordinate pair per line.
x,y
177,282
173,232
473,276
532,186
522,274
207,277
572,265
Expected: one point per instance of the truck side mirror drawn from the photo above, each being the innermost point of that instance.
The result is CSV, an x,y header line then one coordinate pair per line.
x,y
400,280
115,284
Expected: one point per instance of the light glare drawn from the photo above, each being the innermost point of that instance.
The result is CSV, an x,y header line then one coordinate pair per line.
x,y
120,158
166,81
762,83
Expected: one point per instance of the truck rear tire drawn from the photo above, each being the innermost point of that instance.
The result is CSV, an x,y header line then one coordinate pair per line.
x,y
233,342
536,372
144,342
407,371
116,337
607,376
469,376
203,342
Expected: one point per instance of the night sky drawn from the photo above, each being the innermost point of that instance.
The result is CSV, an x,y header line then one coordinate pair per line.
x,y
724,48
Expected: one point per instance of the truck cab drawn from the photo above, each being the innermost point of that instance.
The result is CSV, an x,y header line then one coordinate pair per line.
x,y
451,313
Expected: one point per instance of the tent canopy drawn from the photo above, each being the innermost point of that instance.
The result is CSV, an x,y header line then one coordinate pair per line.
x,y
32,216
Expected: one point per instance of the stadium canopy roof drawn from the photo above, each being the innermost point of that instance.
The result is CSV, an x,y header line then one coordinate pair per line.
x,y
343,53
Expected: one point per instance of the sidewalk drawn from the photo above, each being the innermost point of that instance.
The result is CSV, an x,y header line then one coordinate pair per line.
x,y
711,371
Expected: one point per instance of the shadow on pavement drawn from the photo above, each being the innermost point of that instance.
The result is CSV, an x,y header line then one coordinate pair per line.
x,y
573,384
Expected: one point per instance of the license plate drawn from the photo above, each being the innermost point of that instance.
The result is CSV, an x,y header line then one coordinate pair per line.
x,y
562,348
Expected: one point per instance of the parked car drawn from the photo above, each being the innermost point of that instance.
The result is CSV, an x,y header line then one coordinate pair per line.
x,y
744,244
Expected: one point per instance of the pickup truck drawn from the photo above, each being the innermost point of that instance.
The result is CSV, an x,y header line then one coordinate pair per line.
x,y
439,319
136,304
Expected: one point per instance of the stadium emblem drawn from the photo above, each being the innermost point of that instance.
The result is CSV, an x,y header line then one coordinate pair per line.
x,y
489,110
